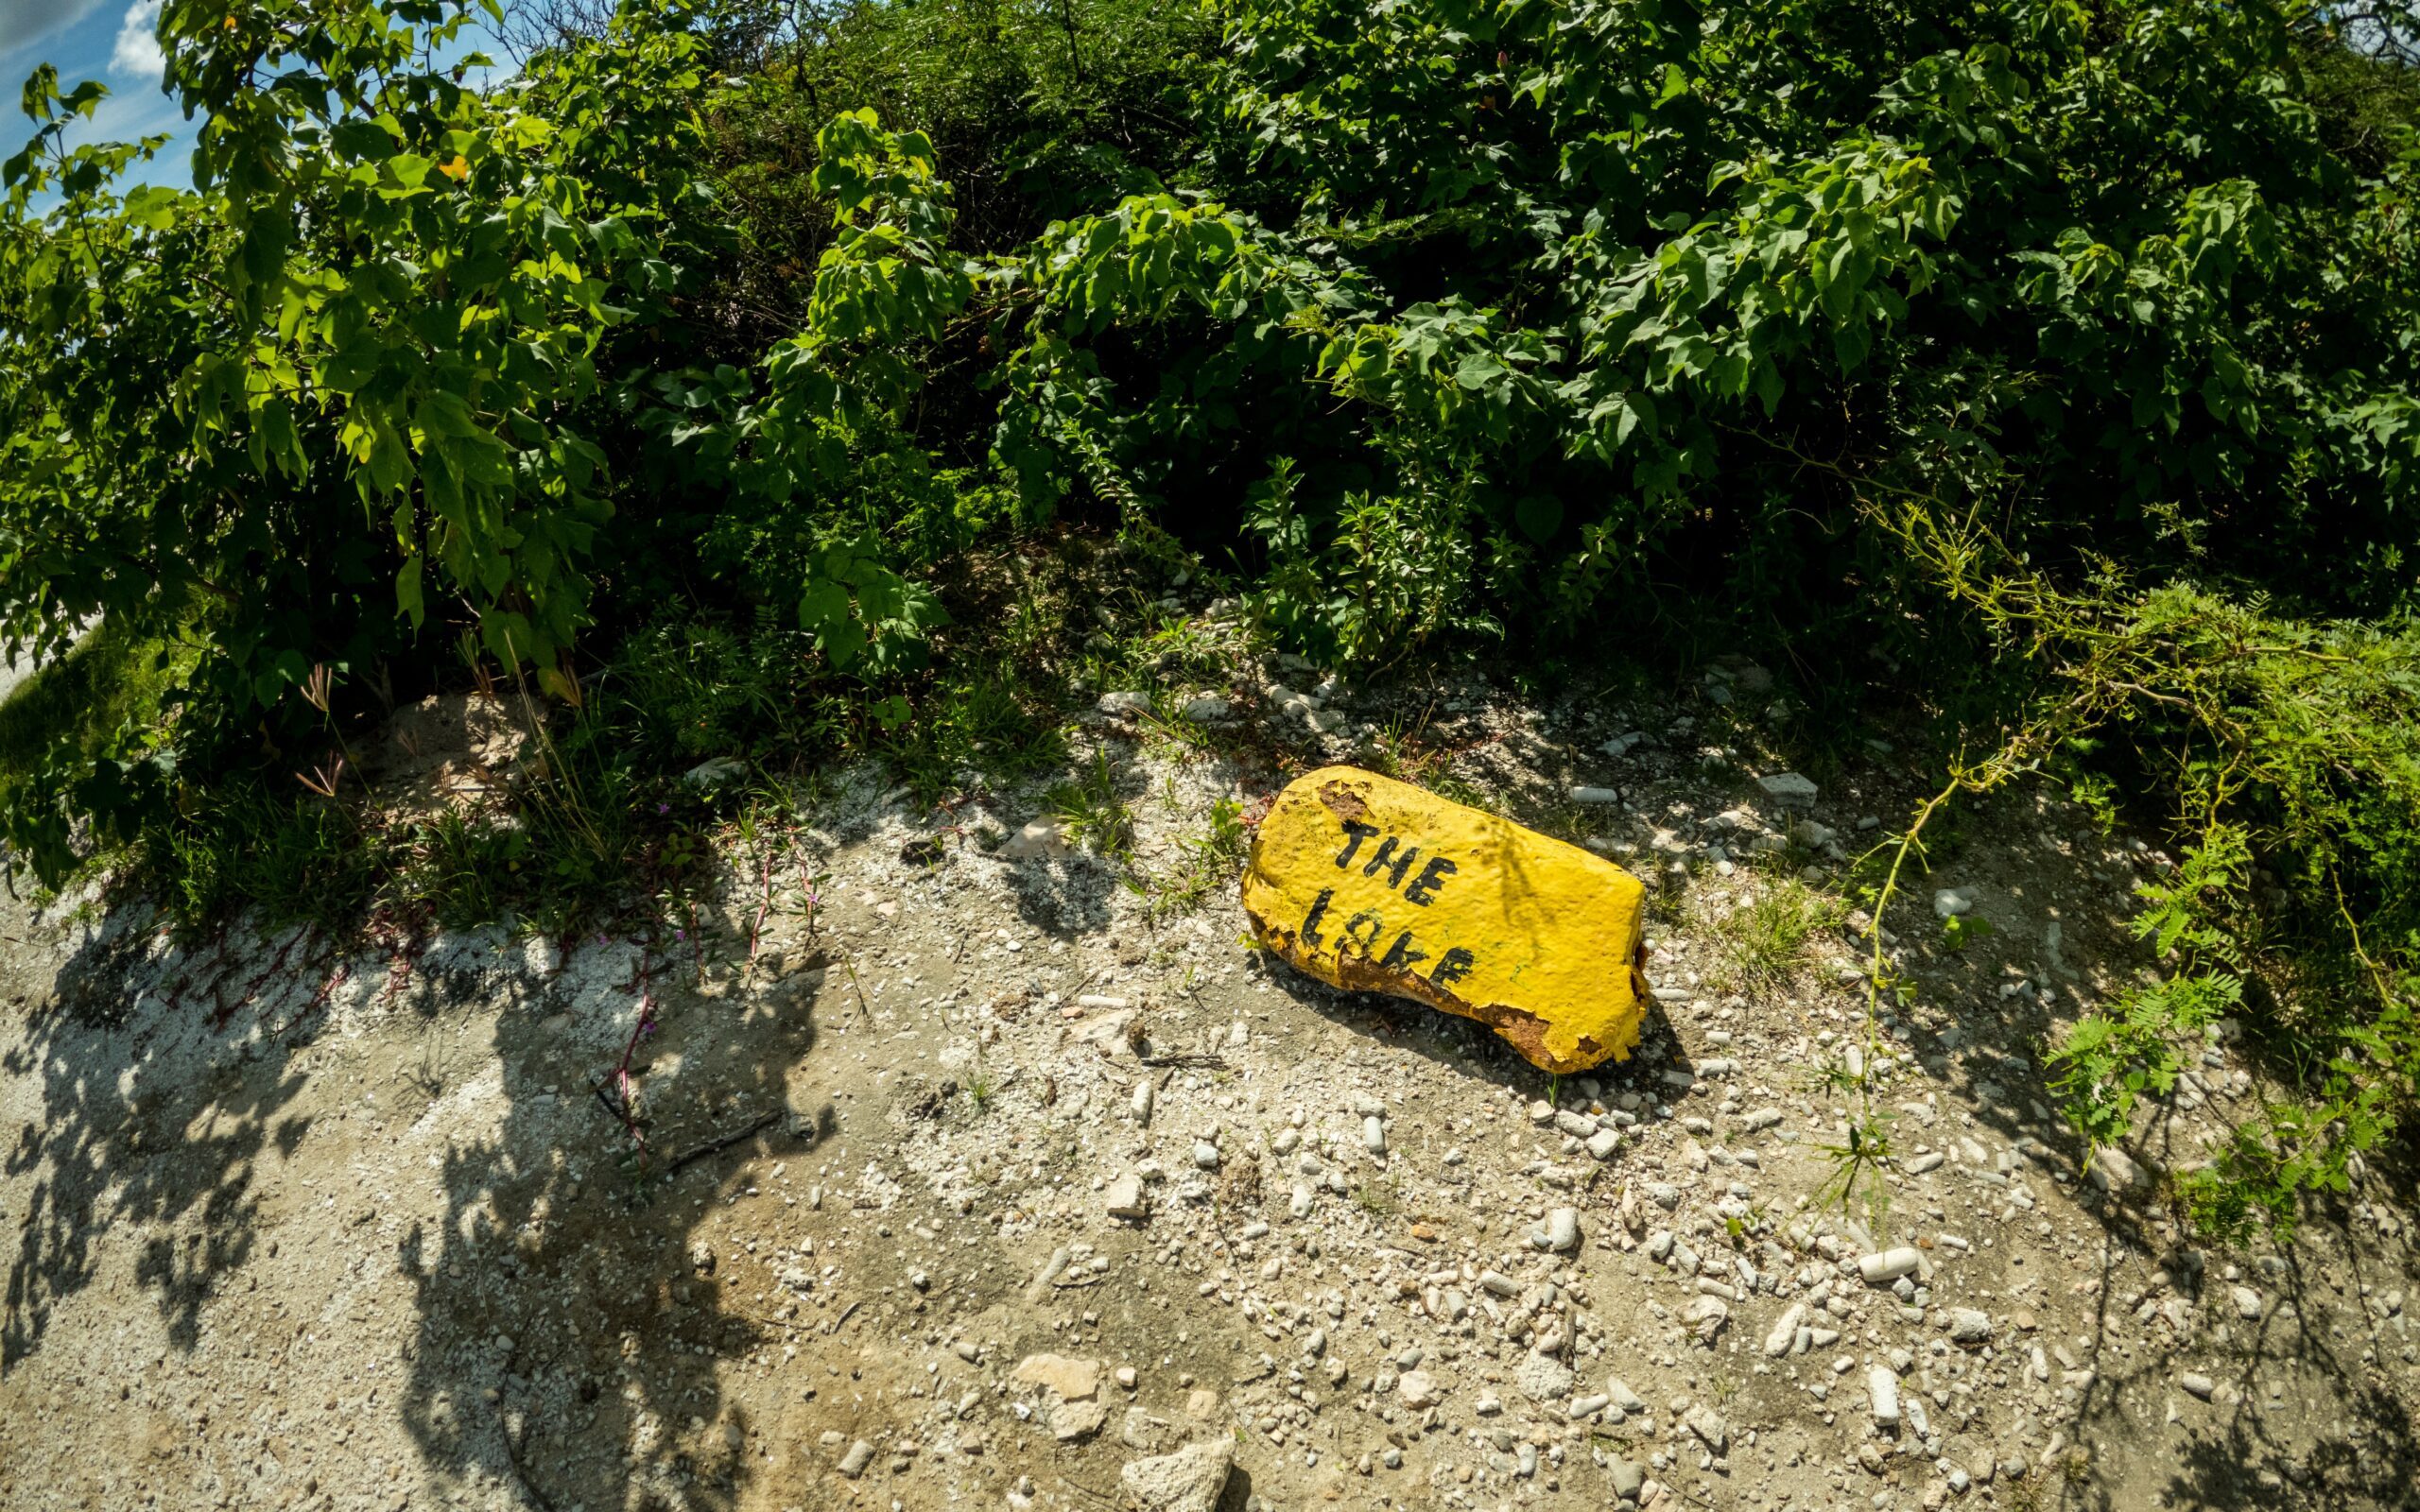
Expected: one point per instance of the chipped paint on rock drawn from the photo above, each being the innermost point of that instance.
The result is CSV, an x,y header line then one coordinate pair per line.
x,y
1375,885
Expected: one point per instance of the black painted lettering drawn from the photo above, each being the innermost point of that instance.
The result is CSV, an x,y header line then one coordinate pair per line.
x,y
1355,833
1432,877
1385,859
1318,911
1362,930
1401,957
1452,966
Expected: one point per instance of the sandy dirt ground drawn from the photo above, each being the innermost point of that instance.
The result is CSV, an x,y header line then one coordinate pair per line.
x,y
988,1179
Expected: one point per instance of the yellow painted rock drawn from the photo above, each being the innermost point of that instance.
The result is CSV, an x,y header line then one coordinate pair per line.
x,y
1372,885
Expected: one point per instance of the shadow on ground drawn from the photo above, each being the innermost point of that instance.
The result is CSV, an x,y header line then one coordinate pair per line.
x,y
174,1081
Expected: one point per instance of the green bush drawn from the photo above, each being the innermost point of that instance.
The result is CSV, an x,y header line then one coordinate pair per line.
x,y
2064,354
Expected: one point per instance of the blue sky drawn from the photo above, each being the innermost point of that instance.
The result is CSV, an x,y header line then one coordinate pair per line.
x,y
109,39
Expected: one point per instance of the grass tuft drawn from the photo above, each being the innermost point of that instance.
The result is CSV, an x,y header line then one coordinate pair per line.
x,y
1763,943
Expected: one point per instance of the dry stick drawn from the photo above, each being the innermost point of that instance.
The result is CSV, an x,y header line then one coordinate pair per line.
x,y
722,1141
849,964
521,1471
772,1322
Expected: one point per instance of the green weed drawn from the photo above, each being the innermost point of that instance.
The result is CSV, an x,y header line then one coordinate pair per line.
x,y
1094,815
2140,1044
1763,943
1857,1175
111,680
1961,930
1207,862
1379,1200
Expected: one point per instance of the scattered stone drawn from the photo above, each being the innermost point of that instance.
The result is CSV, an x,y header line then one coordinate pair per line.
x,y
1890,1264
2112,1170
1051,1270
1882,1392
1969,1326
1708,1425
1190,1480
1144,1434
1562,1230
2198,1383
1418,1389
1628,1478
1073,1420
1074,1380
1784,1331
1543,1378
1039,840
1123,705
1707,1314
1596,795
1206,708
1789,789
1126,1199
854,1463
2247,1301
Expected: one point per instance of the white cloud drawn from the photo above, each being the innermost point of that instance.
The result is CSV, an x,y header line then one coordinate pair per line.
x,y
137,54
30,21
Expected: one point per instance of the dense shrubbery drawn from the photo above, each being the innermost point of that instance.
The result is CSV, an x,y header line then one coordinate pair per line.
x,y
2067,352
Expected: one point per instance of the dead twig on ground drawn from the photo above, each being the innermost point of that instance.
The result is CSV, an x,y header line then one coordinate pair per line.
x,y
722,1141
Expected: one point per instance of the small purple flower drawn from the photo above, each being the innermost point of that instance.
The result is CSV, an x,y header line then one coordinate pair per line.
x,y
680,934
664,807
